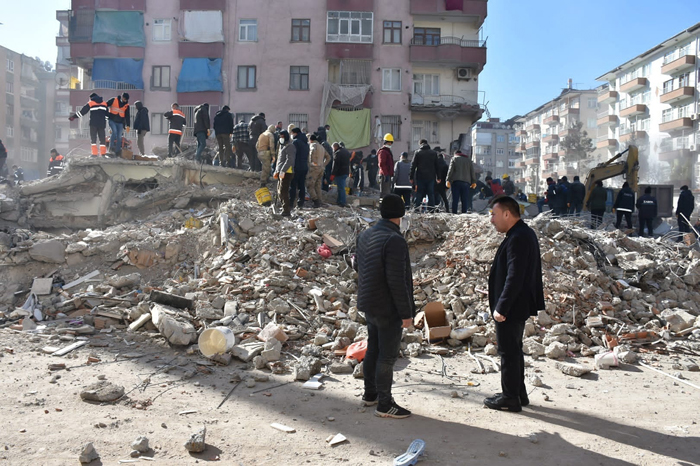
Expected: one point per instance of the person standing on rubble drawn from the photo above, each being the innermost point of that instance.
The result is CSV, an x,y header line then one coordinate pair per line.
x,y
576,195
142,125
201,129
266,147
241,139
402,179
56,162
119,120
685,206
176,124
508,185
223,127
424,172
596,204
256,127
340,171
318,158
284,171
624,205
98,122
461,179
301,168
385,296
3,160
648,209
515,294
386,165
441,186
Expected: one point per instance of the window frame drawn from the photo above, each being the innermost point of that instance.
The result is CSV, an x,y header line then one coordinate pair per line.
x,y
10,87
166,25
349,18
248,68
299,120
384,87
423,80
153,74
301,27
427,36
10,65
301,74
158,126
241,27
391,27
391,124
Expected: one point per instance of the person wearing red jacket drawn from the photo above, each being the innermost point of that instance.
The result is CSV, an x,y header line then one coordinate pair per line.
x,y
386,165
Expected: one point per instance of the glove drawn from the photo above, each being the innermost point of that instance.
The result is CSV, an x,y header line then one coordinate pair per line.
x,y
276,176
448,184
473,185
332,177
72,117
208,133
127,129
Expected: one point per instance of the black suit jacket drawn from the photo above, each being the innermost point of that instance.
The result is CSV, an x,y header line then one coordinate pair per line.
x,y
515,281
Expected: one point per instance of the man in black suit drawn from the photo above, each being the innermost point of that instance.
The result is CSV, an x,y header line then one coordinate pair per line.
x,y
515,294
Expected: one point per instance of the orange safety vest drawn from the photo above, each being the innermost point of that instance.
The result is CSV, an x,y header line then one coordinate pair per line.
x,y
115,109
176,131
98,106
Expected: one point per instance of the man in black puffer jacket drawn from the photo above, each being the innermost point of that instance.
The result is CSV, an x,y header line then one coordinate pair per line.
x,y
424,172
385,295
624,205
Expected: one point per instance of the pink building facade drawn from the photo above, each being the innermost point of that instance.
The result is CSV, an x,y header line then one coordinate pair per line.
x,y
414,64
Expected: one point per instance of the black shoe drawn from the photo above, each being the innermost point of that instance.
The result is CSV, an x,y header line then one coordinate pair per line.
x,y
500,402
286,214
370,400
524,400
393,411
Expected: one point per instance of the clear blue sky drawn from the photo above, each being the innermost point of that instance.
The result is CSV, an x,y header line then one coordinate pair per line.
x,y
30,27
535,46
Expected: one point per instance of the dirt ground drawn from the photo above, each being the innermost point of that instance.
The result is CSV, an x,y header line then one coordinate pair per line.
x,y
629,415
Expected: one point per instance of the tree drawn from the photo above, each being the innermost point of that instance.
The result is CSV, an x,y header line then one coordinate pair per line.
x,y
577,144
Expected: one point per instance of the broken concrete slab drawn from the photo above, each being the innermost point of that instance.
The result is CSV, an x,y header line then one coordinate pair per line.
x,y
197,441
88,454
574,370
102,391
51,251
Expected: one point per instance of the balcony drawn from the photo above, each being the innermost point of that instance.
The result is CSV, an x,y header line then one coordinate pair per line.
x,y
342,50
608,97
451,51
344,5
87,51
551,156
430,10
627,135
634,84
532,161
532,144
551,138
533,127
521,133
680,64
104,88
606,143
201,49
28,100
668,154
564,132
676,125
62,41
551,120
570,111
121,5
520,164
608,120
632,110
437,103
203,5
522,147
678,95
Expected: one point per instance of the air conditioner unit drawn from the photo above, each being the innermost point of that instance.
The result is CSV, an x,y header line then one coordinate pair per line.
x,y
691,148
694,116
464,73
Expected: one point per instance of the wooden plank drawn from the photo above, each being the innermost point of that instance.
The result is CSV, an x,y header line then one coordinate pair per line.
x,y
69,348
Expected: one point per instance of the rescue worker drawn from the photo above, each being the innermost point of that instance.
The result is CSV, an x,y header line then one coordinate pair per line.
x,y
284,171
223,127
56,162
624,205
576,195
3,160
648,209
142,125
201,129
508,185
318,158
685,206
98,122
266,153
241,139
386,165
256,127
177,123
119,118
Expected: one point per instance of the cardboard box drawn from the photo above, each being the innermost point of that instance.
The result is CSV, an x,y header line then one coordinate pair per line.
x,y
435,323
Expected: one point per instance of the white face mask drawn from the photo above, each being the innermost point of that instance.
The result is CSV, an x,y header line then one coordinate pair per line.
x,y
281,140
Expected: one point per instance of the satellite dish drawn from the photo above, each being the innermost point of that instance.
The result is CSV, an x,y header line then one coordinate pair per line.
x,y
62,80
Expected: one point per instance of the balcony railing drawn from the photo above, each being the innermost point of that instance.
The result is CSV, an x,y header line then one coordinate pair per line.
x,y
441,100
107,84
448,40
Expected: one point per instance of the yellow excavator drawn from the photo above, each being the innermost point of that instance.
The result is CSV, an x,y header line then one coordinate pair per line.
x,y
629,169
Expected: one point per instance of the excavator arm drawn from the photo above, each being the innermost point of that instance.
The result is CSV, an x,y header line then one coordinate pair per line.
x,y
629,169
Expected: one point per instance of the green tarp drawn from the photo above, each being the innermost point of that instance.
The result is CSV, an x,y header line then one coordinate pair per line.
x,y
121,28
352,128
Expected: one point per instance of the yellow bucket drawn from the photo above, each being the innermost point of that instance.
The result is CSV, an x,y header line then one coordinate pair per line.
x,y
192,222
263,196
532,198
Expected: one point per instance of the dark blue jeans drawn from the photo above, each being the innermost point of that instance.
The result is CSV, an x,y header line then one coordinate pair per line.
x,y
115,141
383,345
201,144
298,184
460,191
340,183
575,208
425,187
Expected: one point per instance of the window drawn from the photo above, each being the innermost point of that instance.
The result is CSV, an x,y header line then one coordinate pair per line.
x,y
392,124
392,32
58,133
10,65
29,155
10,111
499,163
299,78
246,77
425,130
301,30
426,84
667,115
299,120
248,30
349,26
9,131
391,79
500,152
592,123
158,124
243,116
500,138
160,78
426,36
161,30
592,102
10,87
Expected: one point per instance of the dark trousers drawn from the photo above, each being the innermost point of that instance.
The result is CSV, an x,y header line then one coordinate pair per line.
x,y
141,134
405,194
283,191
576,208
683,225
425,188
174,139
326,182
298,184
372,175
243,148
460,192
201,144
596,218
383,345
646,222
441,193
509,335
255,163
225,150
628,218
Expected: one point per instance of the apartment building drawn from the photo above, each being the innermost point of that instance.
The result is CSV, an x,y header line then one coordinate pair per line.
x,y
543,129
414,64
652,101
494,146
26,123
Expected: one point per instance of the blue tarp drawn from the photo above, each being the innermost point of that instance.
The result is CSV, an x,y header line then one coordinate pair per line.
x,y
119,70
200,75
122,28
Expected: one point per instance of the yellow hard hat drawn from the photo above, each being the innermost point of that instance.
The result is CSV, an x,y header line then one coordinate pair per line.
x,y
505,175
388,137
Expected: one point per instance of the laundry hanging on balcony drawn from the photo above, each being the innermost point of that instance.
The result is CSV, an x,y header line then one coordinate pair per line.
x,y
117,73
200,75
351,127
121,28
203,26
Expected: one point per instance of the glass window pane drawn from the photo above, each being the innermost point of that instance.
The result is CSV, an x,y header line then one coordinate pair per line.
x,y
397,36
156,76
295,34
332,26
344,26
305,34
355,27
366,27
387,35
165,76
305,81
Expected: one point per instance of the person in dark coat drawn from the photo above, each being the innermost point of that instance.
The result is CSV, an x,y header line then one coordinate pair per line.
x,y
685,206
441,187
201,128
256,127
223,128
576,194
424,170
340,171
402,183
142,125
508,185
624,205
596,204
176,126
119,120
301,168
3,160
561,204
284,171
515,294
385,296
372,164
648,209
